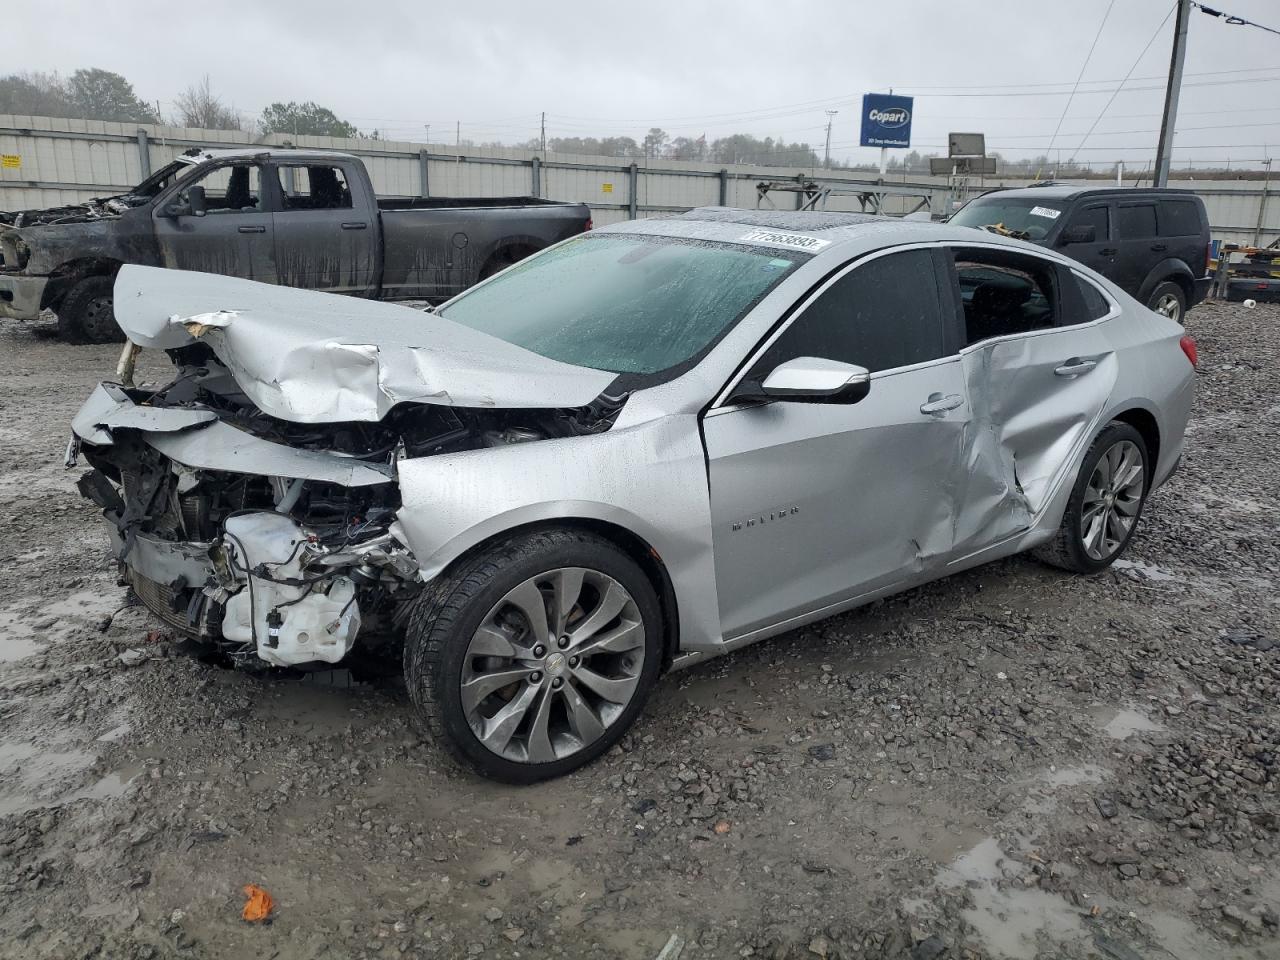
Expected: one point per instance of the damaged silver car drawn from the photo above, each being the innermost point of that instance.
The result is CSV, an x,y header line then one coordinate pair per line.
x,y
637,449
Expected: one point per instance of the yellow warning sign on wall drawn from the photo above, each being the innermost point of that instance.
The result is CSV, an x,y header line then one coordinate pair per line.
x,y
10,161
606,188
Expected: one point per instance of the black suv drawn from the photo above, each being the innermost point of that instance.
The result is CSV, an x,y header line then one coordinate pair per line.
x,y
1154,244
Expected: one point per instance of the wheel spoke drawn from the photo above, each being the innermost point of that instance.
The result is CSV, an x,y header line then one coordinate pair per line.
x,y
1116,527
628,635
568,590
1093,535
499,729
480,686
610,605
1101,478
489,641
530,601
539,749
1128,505
584,723
615,691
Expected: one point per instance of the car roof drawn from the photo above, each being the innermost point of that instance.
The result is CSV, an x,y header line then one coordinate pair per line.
x,y
839,233
274,153
1067,191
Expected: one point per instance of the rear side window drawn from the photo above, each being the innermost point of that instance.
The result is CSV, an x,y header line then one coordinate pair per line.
x,y
1092,304
314,188
1004,293
1136,221
884,314
1179,218
1097,217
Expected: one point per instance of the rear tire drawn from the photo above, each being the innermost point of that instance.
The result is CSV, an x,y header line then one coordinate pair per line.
x,y
524,697
1105,505
87,312
1168,300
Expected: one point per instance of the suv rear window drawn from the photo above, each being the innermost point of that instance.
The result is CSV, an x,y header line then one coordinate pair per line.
x,y
1136,220
1179,218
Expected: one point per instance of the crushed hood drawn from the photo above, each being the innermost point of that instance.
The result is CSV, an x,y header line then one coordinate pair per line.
x,y
313,357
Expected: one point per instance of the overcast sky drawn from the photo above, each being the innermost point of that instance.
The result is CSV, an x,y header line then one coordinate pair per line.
x,y
602,68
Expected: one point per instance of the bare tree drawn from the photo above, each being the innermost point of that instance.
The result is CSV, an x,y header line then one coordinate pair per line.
x,y
198,106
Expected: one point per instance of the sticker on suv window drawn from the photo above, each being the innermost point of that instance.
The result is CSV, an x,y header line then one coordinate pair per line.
x,y
1049,212
779,238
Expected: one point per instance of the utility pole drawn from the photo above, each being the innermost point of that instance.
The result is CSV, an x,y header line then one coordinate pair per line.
x,y
458,137
428,126
1164,149
826,153
544,134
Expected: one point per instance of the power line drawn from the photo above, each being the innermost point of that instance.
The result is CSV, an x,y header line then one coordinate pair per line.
x,y
1080,75
1233,20
1103,111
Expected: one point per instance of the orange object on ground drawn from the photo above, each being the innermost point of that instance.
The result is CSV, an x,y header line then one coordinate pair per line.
x,y
259,904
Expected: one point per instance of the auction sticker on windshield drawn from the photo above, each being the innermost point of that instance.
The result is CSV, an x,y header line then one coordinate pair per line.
x,y
778,238
1049,212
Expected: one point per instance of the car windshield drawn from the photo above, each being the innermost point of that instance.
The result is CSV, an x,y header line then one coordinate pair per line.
x,y
1024,219
625,304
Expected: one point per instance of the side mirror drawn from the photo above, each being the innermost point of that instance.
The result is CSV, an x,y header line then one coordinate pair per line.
x,y
815,380
1086,233
196,204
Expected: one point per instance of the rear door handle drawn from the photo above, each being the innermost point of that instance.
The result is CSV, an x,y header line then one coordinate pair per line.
x,y
1159,247
354,225
1109,251
257,229
937,403
1074,367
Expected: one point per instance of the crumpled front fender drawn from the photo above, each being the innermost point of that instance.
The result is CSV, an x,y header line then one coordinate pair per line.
x,y
649,480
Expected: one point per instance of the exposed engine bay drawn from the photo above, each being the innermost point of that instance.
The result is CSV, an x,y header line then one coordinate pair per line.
x,y
275,541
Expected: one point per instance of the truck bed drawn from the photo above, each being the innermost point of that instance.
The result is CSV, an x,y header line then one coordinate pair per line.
x,y
441,203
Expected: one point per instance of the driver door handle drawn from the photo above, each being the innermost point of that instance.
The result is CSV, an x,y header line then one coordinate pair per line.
x,y
1074,367
355,225
937,403
258,229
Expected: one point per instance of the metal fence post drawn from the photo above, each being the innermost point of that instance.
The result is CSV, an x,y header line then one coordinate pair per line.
x,y
144,153
424,182
633,205
724,187
537,177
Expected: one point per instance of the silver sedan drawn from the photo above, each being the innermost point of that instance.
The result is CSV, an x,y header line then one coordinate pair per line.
x,y
645,446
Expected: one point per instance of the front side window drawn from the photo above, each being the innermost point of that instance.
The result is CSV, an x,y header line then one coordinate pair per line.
x,y
1025,219
625,304
1004,293
1137,221
313,188
883,314
233,188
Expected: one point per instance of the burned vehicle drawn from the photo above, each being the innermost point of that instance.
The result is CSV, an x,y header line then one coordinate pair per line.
x,y
642,447
299,218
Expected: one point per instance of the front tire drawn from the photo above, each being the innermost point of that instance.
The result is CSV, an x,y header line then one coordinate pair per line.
x,y
536,655
87,312
1168,300
1105,505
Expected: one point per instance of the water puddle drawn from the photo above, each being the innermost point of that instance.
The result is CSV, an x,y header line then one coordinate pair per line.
x,y
1072,776
36,778
1128,721
17,641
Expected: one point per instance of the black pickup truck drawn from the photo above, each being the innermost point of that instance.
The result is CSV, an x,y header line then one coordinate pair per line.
x,y
293,217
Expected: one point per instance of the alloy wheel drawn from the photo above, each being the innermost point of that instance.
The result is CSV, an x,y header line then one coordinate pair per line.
x,y
552,665
1168,306
1112,500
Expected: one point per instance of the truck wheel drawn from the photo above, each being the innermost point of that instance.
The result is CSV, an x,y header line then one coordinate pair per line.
x,y
87,312
534,656
1168,300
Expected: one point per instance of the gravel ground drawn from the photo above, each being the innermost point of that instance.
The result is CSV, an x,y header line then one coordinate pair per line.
x,y
1010,763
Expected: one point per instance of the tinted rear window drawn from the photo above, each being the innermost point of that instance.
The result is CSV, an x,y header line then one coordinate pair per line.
x,y
1136,221
1179,218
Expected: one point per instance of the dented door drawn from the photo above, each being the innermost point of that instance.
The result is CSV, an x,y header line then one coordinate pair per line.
x,y
1035,404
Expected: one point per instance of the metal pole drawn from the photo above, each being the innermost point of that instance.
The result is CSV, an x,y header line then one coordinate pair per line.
x,y
1164,149
1119,173
144,153
724,187
633,206
826,153
424,185
537,177
884,160
1262,203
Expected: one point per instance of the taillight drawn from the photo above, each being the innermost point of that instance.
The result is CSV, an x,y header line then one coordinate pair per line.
x,y
590,224
1188,345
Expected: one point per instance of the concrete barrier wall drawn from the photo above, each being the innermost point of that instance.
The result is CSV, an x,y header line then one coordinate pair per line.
x,y
61,161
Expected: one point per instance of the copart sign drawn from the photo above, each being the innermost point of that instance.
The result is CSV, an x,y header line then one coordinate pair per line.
x,y
886,120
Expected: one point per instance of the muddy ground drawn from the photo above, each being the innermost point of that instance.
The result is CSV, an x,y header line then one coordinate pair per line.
x,y
1012,763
